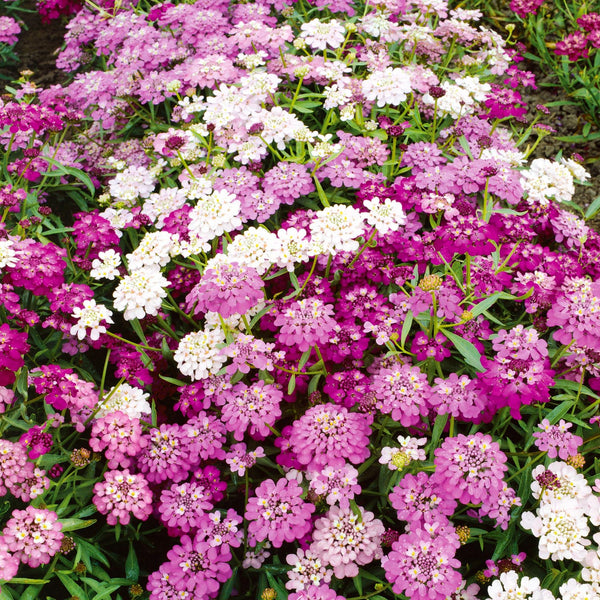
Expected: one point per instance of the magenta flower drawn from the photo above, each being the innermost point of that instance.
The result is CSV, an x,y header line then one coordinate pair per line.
x,y
196,567
37,441
277,512
402,391
167,454
218,529
9,564
557,440
33,535
316,592
13,346
226,288
422,566
328,434
122,494
337,486
345,540
307,571
183,505
119,436
13,458
469,468
305,323
254,408
416,498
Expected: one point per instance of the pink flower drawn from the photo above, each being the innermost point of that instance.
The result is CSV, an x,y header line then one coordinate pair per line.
x,y
277,512
183,505
228,289
33,535
422,565
345,540
305,323
470,468
194,567
557,440
120,436
254,408
328,434
122,494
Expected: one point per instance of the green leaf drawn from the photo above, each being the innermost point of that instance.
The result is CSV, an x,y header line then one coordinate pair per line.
x,y
172,380
227,588
74,524
30,593
408,321
76,173
291,384
438,428
27,580
594,207
92,551
462,140
132,568
466,349
73,588
282,593
107,592
5,594
357,581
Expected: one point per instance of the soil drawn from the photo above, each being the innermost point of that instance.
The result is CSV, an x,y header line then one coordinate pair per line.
x,y
39,43
36,49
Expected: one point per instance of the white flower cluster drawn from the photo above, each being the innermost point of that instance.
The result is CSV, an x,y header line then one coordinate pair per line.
x,y
199,353
319,34
154,250
335,229
8,255
131,184
385,216
566,506
90,316
390,86
509,587
162,204
547,179
140,293
125,398
461,96
106,266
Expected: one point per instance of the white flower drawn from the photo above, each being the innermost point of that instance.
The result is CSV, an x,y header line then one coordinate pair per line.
x,y
131,184
161,205
90,317
577,171
8,255
140,293
106,265
561,527
573,485
336,228
508,587
385,217
153,251
125,398
318,34
548,179
256,247
214,215
574,590
387,87
199,353
336,95
295,248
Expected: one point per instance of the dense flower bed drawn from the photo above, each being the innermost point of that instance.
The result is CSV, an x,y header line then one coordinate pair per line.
x,y
288,311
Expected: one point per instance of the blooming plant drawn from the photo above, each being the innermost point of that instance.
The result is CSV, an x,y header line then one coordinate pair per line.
x,y
289,312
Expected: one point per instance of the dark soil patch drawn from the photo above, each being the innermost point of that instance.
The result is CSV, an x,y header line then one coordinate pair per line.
x,y
36,49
